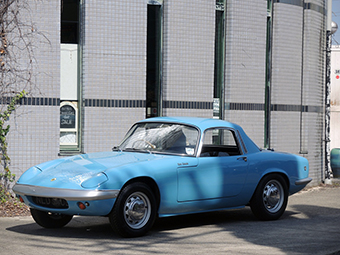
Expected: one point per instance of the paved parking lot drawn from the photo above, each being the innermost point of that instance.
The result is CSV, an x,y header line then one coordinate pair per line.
x,y
310,225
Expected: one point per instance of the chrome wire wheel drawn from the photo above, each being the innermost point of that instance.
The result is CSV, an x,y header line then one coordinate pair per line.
x,y
273,196
137,210
270,198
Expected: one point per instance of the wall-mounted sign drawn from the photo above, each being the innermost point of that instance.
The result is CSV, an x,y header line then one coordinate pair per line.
x,y
337,74
67,117
216,107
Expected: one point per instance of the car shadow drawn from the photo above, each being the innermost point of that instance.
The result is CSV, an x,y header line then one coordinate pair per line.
x,y
201,219
297,226
99,227
79,227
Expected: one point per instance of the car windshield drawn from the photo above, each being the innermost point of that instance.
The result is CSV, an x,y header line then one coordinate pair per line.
x,y
161,138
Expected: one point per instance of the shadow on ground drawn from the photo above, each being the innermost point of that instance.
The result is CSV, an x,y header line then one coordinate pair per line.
x,y
302,229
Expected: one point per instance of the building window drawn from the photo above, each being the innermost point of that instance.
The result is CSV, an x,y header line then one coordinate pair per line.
x,y
218,111
69,77
69,32
154,59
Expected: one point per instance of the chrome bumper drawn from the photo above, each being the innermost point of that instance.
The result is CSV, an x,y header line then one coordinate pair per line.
x,y
67,194
304,181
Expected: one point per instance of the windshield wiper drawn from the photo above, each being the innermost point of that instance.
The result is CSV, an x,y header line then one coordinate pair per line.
x,y
137,150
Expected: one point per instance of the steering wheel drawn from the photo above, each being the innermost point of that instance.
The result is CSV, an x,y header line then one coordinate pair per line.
x,y
147,142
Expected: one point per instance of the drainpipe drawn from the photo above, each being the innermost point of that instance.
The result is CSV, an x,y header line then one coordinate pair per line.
x,y
331,28
328,171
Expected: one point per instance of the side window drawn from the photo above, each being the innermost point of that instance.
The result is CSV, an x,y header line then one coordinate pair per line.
x,y
220,143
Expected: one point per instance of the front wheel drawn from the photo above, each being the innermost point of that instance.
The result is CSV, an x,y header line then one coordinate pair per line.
x,y
270,198
134,211
50,220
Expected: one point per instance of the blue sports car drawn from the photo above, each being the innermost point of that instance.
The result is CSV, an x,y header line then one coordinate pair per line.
x,y
164,166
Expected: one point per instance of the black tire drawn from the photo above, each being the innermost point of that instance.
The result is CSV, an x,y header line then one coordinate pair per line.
x,y
50,220
134,211
270,198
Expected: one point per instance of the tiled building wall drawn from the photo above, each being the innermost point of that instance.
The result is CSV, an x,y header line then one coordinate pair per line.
x,y
286,75
33,137
34,132
188,64
245,64
104,128
313,87
298,82
296,120
114,67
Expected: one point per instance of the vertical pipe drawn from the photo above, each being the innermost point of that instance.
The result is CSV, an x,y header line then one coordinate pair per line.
x,y
303,147
328,171
269,44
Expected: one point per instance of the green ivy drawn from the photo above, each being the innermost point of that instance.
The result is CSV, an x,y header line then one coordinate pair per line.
x,y
6,175
4,194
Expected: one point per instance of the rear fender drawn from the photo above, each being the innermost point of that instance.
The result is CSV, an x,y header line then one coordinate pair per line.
x,y
276,171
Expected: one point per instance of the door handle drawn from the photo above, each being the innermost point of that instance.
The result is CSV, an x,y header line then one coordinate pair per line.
x,y
243,158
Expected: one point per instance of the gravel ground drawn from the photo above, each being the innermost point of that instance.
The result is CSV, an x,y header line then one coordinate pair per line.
x,y
12,208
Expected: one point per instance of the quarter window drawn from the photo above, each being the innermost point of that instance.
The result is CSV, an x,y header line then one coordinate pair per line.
x,y
220,142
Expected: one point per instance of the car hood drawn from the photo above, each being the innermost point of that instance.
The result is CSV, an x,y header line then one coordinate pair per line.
x,y
71,172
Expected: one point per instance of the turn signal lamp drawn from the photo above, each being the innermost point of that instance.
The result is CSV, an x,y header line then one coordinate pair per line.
x,y
81,206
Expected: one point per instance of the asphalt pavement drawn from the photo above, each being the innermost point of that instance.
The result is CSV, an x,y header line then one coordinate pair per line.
x,y
310,225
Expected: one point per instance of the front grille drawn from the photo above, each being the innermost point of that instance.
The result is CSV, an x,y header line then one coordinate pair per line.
x,y
50,202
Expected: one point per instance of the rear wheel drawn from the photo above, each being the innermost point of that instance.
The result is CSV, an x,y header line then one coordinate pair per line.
x,y
50,220
270,198
134,211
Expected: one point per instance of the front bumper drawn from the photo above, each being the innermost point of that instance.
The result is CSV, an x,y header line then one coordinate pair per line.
x,y
67,194
98,202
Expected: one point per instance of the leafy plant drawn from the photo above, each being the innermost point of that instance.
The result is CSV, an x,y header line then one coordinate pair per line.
x,y
6,176
5,195
19,37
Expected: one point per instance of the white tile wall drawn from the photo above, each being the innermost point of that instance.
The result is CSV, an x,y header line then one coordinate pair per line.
x,y
114,67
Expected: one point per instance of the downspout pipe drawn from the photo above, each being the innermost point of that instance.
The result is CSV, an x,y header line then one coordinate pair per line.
x,y
328,172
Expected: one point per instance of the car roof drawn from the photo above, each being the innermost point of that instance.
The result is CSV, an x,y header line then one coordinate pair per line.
x,y
202,123
205,123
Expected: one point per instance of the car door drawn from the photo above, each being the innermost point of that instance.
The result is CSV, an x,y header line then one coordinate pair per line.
x,y
221,171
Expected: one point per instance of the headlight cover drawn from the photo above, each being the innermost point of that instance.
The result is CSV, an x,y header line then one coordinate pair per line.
x,y
29,174
95,181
